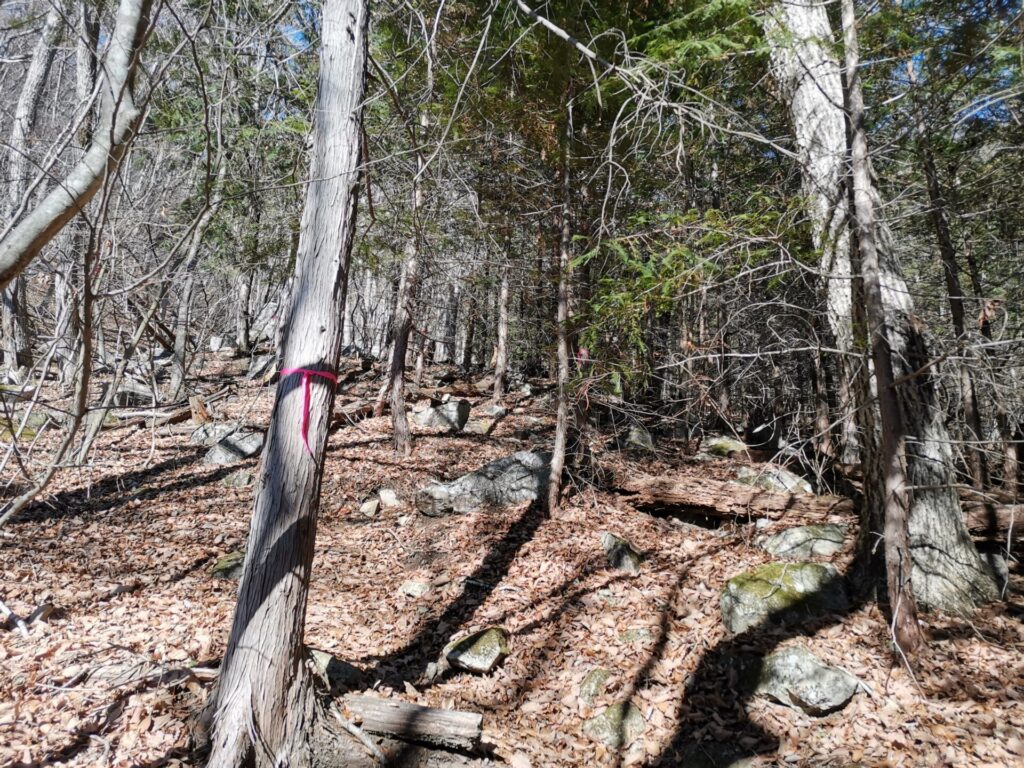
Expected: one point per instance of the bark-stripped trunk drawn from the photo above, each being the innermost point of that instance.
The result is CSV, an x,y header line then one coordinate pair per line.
x,y
892,446
947,572
808,77
951,270
17,341
562,329
266,711
243,336
471,318
501,352
119,117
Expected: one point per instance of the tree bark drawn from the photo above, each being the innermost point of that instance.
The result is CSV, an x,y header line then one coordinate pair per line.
x,y
562,329
17,341
896,498
947,572
501,352
266,712
119,118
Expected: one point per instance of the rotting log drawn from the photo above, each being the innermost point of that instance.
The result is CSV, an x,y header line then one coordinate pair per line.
x,y
447,728
723,499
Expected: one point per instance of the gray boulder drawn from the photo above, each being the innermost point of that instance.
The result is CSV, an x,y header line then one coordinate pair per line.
x,y
229,566
452,416
212,432
723,446
806,541
594,685
782,592
618,726
639,439
772,477
240,478
243,444
520,477
480,652
620,553
799,679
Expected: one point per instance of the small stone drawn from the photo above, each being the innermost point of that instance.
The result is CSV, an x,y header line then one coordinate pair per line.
x,y
723,446
452,416
212,433
772,477
820,540
240,478
229,566
388,498
337,675
414,589
636,636
370,507
639,439
620,553
593,685
494,411
799,679
479,652
481,426
618,726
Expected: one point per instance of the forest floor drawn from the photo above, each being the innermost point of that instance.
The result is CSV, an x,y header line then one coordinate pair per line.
x,y
124,548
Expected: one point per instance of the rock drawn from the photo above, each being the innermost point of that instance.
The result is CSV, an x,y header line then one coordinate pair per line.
x,y
370,507
773,478
620,553
639,439
593,685
217,343
131,394
636,636
526,390
494,411
616,727
481,426
240,478
243,444
820,540
452,416
480,652
229,566
338,676
799,679
723,446
260,366
212,432
520,477
782,592
388,498
414,589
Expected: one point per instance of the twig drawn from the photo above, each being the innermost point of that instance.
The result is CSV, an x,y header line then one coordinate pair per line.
x,y
359,734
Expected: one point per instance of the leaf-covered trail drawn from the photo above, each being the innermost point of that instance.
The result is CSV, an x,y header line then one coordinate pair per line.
x,y
124,550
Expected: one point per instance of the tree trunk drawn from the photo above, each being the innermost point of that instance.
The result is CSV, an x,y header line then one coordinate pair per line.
x,y
948,574
501,353
266,711
562,329
17,341
242,324
809,80
118,119
892,447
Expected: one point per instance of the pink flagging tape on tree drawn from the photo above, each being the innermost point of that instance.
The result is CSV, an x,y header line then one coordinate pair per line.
x,y
307,379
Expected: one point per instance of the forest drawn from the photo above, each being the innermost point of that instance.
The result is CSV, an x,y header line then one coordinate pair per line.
x,y
511,383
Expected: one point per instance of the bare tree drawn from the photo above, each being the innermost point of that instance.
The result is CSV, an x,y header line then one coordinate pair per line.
x,y
267,713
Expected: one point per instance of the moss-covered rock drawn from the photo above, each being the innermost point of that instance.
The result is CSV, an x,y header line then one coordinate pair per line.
x,y
618,726
782,592
797,678
479,652
774,478
594,684
229,566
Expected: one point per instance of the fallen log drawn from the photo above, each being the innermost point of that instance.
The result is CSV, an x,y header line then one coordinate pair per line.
x,y
722,499
447,728
1008,519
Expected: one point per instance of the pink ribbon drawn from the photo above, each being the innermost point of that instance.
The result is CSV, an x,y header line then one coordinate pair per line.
x,y
307,379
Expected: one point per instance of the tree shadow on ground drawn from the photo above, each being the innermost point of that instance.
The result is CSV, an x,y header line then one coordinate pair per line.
x,y
410,661
137,485
713,729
